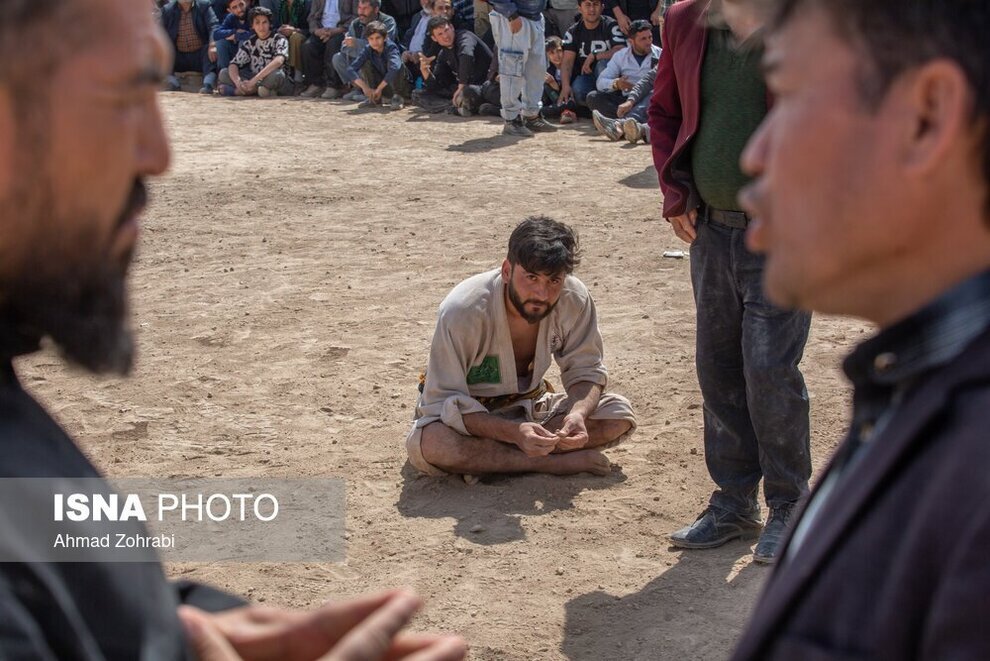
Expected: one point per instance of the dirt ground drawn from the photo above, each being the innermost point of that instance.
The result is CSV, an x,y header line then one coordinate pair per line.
x,y
285,295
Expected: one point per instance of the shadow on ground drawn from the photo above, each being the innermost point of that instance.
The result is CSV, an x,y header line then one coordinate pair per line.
x,y
490,512
700,603
642,180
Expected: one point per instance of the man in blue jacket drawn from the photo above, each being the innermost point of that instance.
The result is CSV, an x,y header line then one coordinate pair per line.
x,y
190,25
234,31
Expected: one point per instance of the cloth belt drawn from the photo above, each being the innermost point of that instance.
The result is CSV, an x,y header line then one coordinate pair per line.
x,y
502,401
734,219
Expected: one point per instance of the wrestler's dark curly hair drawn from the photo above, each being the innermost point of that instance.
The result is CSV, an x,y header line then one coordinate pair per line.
x,y
540,244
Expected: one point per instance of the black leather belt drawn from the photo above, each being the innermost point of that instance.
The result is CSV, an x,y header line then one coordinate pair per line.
x,y
734,219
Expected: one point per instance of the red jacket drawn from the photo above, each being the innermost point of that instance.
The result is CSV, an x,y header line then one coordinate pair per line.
x,y
675,106
676,103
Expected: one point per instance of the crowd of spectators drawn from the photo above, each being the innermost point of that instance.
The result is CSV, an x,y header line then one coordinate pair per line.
x,y
439,55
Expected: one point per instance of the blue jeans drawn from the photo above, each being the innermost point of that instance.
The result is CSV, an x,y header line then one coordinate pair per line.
x,y
226,50
584,84
639,110
755,400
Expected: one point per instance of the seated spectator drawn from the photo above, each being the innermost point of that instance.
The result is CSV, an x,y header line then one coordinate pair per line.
x,y
415,37
259,66
190,25
485,99
626,12
466,57
588,46
560,15
354,41
463,15
378,70
291,20
403,11
623,71
552,108
233,31
631,113
328,23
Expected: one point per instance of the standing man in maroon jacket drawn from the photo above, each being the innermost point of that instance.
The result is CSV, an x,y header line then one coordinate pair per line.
x,y
709,98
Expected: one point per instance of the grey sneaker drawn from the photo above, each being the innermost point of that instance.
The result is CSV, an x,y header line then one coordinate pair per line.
x,y
516,128
312,92
330,93
608,127
537,124
207,90
631,129
773,534
397,103
354,95
715,527
265,92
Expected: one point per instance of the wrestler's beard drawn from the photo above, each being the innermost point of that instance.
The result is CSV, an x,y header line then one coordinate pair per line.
x,y
79,300
520,306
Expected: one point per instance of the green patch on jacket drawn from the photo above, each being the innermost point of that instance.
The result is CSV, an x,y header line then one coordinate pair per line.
x,y
487,372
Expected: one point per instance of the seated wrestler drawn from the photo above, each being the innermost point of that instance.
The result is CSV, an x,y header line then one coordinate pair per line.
x,y
485,406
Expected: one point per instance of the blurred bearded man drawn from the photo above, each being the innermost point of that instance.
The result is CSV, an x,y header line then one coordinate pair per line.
x,y
80,129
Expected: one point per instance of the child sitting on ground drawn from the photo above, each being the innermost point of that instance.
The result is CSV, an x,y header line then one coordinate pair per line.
x,y
378,70
551,85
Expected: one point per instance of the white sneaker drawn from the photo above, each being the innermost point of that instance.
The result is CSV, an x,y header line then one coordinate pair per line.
x,y
630,128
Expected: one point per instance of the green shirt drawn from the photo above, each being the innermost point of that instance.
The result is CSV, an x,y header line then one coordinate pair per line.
x,y
733,103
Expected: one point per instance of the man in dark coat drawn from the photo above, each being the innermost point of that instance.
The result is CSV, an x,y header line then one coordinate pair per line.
x,y
190,25
871,199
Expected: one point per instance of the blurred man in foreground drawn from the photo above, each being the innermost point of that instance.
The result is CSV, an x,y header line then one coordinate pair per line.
x,y
871,198
65,245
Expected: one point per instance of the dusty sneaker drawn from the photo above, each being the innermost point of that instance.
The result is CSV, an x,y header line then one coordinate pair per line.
x,y
515,127
537,124
630,128
265,92
330,93
312,92
608,127
397,103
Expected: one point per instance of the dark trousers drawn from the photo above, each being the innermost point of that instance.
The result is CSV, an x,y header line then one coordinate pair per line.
x,y
487,92
197,61
607,103
317,60
755,400
373,77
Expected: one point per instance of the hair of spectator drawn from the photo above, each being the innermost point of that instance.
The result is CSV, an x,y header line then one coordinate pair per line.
x,y
540,244
436,22
554,43
230,2
638,26
376,27
375,4
260,11
594,2
894,37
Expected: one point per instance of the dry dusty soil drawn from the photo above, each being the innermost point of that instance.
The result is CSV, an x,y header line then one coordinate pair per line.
x,y
285,294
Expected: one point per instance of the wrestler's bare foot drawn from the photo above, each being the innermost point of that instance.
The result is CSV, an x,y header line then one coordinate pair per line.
x,y
581,461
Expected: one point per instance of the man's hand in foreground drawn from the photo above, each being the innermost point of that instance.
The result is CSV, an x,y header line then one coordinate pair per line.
x,y
363,629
